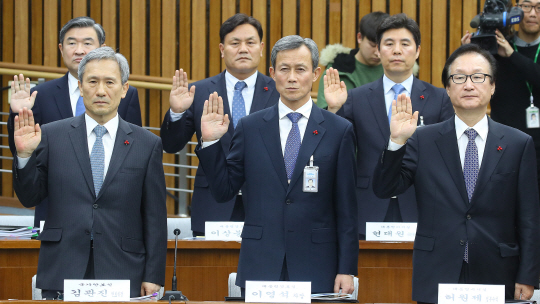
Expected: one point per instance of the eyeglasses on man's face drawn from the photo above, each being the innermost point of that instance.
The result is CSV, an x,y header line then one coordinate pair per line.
x,y
475,78
526,7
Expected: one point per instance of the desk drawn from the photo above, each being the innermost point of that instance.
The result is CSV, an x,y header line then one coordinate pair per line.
x,y
385,269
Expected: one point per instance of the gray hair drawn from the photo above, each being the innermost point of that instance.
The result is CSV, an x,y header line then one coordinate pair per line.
x,y
293,42
83,22
104,53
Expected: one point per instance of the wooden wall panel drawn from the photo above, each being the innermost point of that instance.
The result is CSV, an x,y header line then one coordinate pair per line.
x,y
50,34
425,30
395,7
79,8
318,29
108,22
66,10
21,31
439,35
95,10
214,24
275,22
8,10
334,22
36,32
378,5
138,46
259,13
455,28
349,25
289,18
125,29
364,8
409,8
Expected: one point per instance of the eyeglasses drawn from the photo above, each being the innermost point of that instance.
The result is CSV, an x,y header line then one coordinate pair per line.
x,y
527,8
475,78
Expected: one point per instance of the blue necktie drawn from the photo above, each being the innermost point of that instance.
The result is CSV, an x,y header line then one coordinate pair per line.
x,y
238,105
97,158
398,89
79,108
293,144
470,172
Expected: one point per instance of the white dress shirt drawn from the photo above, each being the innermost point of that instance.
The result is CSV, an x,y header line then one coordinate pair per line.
x,y
285,124
74,92
230,82
108,141
389,93
480,127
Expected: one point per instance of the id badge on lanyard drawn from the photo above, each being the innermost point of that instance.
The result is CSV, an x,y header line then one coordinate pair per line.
x,y
532,116
311,177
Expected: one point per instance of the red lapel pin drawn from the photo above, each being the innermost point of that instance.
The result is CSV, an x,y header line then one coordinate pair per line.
x,y
315,132
265,89
126,142
499,148
421,96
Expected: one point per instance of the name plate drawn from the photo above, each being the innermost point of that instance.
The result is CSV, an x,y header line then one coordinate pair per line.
x,y
223,231
96,290
390,231
278,292
471,293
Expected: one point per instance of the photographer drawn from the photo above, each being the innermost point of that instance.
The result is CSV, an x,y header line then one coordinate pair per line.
x,y
518,77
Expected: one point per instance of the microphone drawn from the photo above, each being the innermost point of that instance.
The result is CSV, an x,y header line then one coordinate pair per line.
x,y
174,294
475,22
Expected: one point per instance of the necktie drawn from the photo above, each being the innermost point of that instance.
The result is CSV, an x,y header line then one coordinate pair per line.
x,y
293,144
79,108
97,158
238,105
470,172
398,89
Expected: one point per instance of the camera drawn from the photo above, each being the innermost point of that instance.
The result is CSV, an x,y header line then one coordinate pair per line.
x,y
497,14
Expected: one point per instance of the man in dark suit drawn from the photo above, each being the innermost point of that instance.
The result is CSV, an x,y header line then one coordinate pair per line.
x,y
105,182
475,180
290,233
245,91
60,98
367,107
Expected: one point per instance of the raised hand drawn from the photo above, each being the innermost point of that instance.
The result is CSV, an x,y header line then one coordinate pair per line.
x,y
27,134
214,124
466,39
403,122
505,49
20,94
181,97
335,92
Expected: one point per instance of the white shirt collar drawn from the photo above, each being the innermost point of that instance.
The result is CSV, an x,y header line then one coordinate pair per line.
x,y
231,80
480,127
73,84
111,125
305,110
388,84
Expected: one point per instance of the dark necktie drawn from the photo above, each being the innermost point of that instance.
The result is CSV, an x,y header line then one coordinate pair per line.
x,y
470,172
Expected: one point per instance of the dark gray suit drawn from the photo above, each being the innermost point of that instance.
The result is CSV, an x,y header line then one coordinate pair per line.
x,y
128,216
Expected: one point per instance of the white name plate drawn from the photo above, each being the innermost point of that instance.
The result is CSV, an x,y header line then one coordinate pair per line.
x,y
96,290
278,292
390,231
471,293
223,231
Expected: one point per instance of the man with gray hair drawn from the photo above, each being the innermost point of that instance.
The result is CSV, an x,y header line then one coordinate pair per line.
x,y
291,231
105,182
60,98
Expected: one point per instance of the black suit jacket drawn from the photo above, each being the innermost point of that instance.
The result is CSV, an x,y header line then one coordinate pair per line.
x,y
176,135
501,223
366,109
53,103
128,217
316,232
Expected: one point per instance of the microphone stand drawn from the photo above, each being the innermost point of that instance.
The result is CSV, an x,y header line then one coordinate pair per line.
x,y
174,295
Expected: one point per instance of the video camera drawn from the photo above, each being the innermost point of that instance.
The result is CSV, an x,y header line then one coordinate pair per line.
x,y
497,14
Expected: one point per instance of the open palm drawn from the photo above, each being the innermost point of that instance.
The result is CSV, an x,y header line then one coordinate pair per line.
x,y
335,91
403,122
214,123
20,94
181,96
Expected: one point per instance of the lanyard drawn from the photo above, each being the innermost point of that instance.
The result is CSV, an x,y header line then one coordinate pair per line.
x,y
535,59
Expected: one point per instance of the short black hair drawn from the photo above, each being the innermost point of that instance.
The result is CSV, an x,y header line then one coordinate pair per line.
x,y
230,24
468,49
397,22
369,23
83,22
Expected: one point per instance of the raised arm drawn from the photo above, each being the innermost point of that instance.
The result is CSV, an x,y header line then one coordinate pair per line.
x,y
20,94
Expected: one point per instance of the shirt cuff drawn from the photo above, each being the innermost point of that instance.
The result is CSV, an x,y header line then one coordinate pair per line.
x,y
21,162
208,143
392,146
175,116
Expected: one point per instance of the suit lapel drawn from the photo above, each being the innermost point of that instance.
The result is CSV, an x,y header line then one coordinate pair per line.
x,y
419,95
491,157
120,151
448,148
262,93
378,106
272,141
63,101
79,141
309,143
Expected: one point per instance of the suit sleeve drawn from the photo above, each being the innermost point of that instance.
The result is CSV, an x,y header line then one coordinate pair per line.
x,y
525,68
175,135
528,218
155,218
346,207
132,113
395,170
225,175
31,183
447,109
